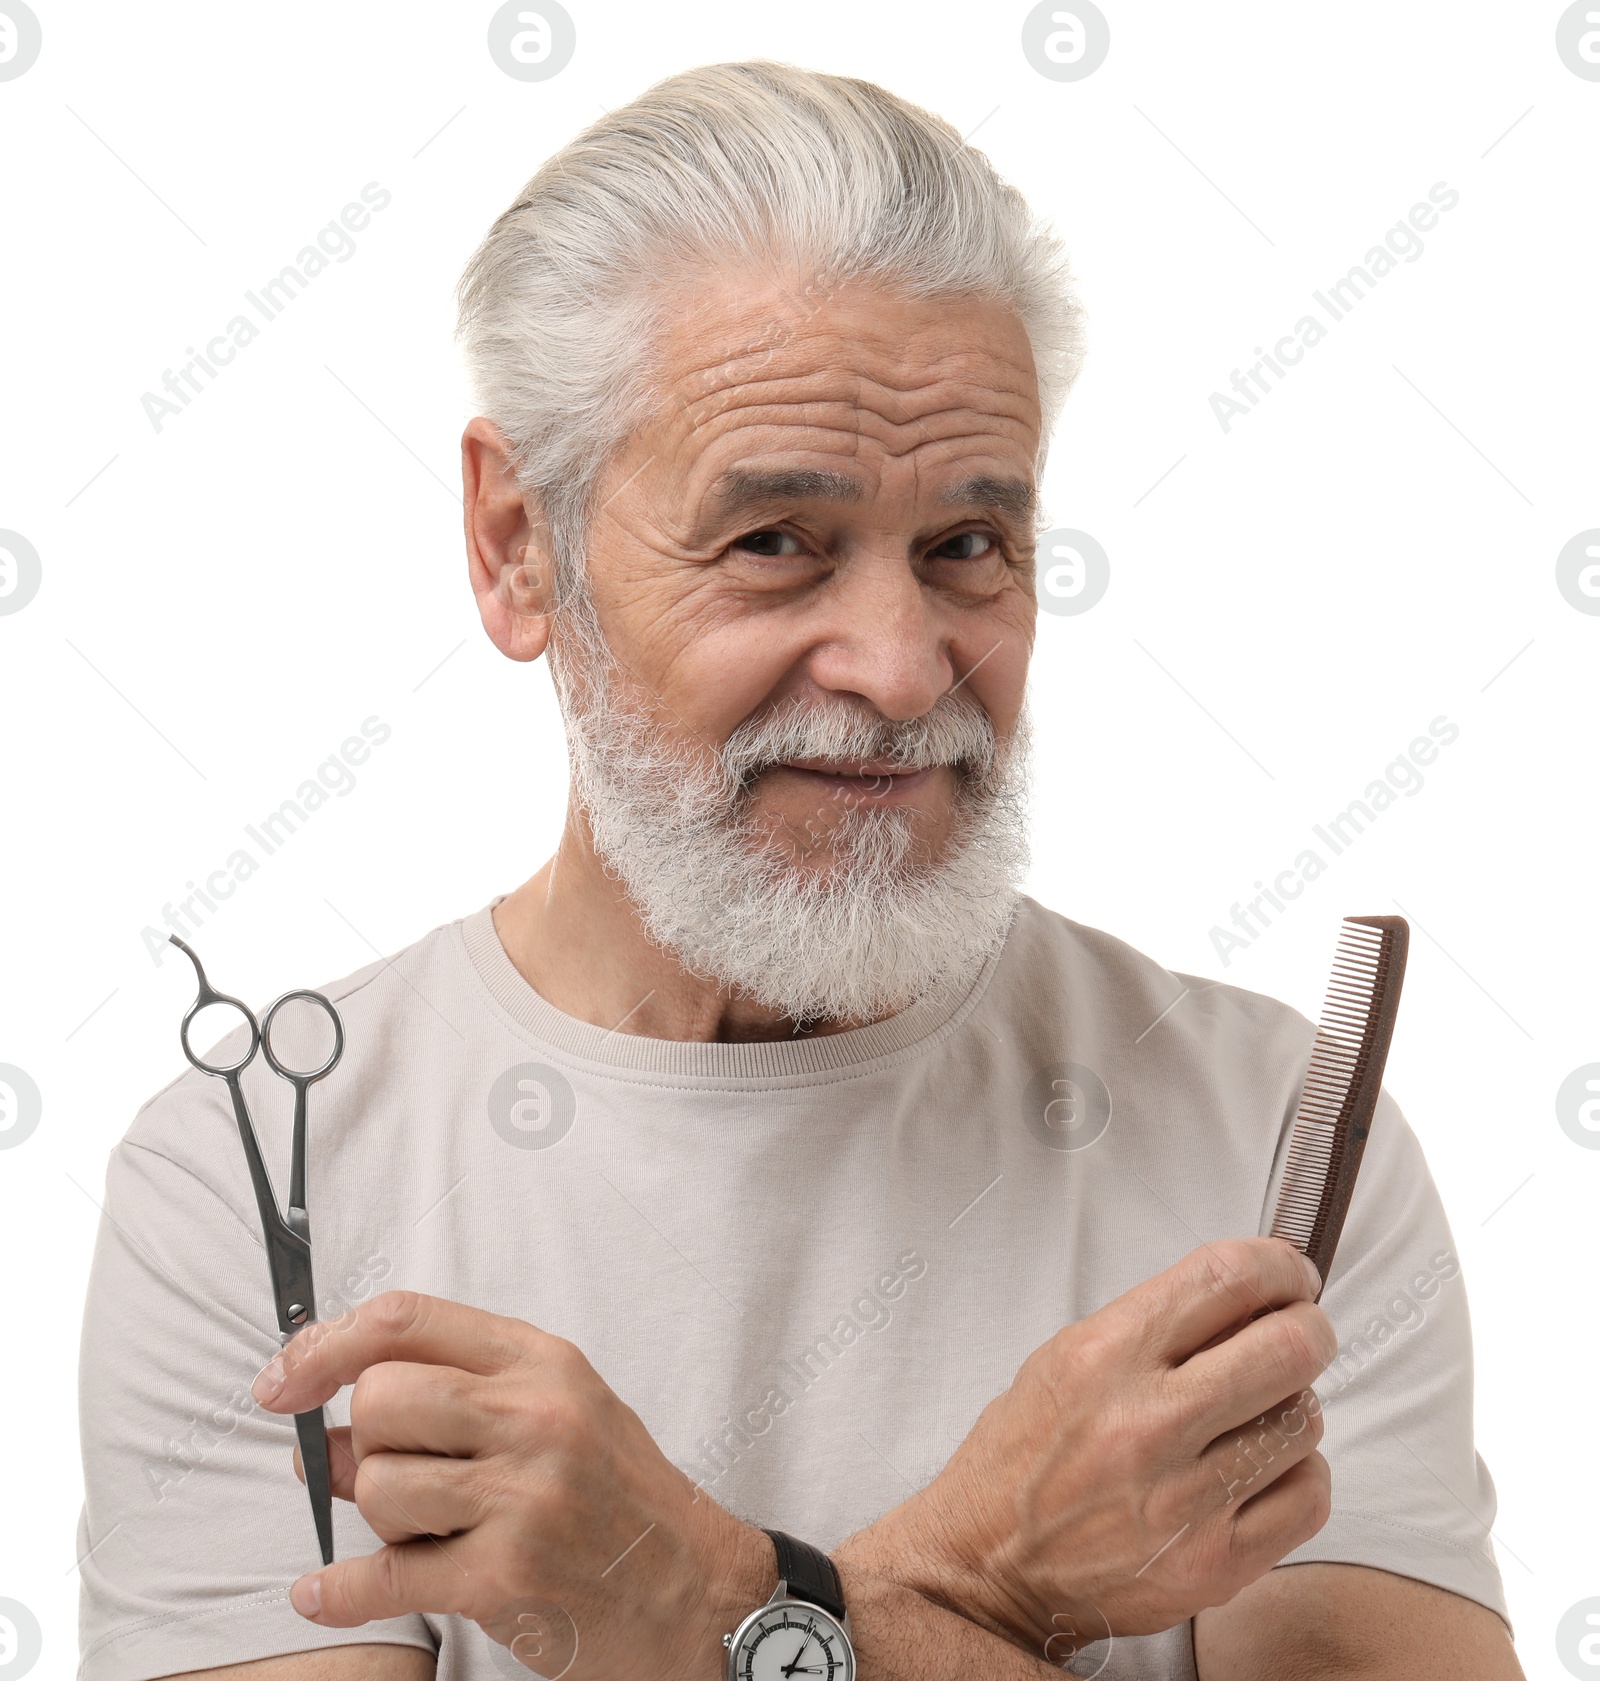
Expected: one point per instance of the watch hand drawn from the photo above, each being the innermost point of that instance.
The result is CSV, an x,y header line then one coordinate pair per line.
x,y
789,1669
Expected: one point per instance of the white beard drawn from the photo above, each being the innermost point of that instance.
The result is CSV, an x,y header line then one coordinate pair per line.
x,y
858,935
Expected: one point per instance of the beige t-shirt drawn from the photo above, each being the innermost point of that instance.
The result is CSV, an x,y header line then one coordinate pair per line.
x,y
807,1266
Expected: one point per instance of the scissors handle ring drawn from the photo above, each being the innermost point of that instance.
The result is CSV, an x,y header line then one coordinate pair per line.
x,y
300,1076
207,996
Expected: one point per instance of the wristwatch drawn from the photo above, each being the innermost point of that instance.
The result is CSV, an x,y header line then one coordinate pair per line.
x,y
803,1630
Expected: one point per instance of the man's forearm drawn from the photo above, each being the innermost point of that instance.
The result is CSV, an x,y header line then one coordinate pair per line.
x,y
900,1636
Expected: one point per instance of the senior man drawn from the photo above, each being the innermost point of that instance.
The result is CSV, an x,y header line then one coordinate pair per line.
x,y
765,1177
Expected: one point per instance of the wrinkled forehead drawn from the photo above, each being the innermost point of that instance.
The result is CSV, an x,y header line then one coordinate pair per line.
x,y
842,392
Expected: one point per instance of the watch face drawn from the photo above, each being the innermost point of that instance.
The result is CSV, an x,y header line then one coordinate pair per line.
x,y
791,1642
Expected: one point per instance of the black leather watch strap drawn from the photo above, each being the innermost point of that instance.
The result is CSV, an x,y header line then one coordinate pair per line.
x,y
809,1573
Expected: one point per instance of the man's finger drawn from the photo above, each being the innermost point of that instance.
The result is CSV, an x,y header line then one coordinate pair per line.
x,y
1286,1515
401,1495
1281,1353
1247,1461
341,1463
392,1582
398,1325
1214,1289
404,1495
400,1406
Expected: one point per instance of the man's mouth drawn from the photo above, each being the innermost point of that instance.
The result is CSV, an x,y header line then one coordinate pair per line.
x,y
880,780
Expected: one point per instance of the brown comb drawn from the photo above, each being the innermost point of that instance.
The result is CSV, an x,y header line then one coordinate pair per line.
x,y
1342,1084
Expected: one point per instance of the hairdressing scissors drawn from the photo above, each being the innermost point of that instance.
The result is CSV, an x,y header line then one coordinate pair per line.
x,y
288,1235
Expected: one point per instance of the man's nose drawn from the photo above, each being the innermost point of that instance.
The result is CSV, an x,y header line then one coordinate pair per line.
x,y
884,639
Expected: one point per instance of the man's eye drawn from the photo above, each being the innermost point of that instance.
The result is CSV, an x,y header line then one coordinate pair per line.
x,y
769,544
968,545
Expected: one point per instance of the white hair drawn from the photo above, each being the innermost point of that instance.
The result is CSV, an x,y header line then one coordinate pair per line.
x,y
795,170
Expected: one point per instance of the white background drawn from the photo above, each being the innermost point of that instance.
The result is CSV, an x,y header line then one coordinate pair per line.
x,y
224,601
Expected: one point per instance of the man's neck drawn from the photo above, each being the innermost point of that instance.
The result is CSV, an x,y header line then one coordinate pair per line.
x,y
575,937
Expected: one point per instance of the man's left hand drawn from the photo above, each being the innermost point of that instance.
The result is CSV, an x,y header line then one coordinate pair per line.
x,y
512,1487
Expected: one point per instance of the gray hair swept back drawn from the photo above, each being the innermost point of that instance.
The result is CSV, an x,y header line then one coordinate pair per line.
x,y
760,161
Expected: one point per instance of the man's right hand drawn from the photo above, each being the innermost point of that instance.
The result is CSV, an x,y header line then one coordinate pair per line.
x,y
1148,1461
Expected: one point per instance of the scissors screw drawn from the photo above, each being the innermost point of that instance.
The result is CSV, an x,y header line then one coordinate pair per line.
x,y
297,1314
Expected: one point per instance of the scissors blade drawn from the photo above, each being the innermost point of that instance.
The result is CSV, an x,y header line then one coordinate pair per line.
x,y
312,1430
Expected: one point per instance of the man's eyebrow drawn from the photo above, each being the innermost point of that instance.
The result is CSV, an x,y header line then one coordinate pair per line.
x,y
1015,497
742,488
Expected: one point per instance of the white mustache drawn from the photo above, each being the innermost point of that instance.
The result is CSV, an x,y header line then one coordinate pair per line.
x,y
955,731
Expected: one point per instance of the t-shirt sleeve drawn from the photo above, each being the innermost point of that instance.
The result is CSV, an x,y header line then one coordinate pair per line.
x,y
194,1523
1410,1494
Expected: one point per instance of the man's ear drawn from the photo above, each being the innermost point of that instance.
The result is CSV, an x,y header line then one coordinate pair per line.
x,y
508,550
